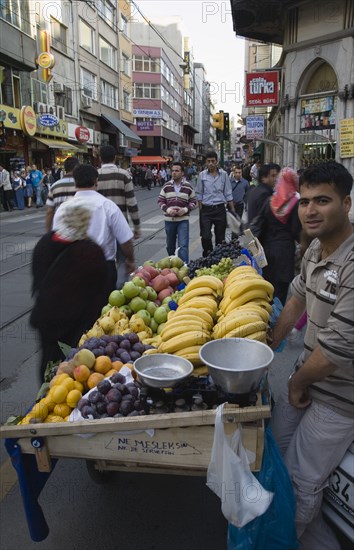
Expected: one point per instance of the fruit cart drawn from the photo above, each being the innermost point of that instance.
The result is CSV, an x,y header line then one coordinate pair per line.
x,y
175,443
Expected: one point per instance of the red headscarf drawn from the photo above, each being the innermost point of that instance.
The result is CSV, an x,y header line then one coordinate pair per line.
x,y
285,194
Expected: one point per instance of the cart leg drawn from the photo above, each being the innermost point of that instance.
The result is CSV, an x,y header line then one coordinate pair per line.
x,y
101,477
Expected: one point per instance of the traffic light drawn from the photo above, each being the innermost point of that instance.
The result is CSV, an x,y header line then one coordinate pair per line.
x,y
218,120
226,127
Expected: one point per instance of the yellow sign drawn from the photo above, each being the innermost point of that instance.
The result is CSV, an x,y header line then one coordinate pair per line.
x,y
46,60
59,130
346,133
28,120
10,117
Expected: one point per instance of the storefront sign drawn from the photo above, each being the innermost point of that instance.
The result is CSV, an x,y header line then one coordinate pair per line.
x,y
82,134
48,120
10,117
131,152
262,89
346,132
144,125
318,113
254,127
28,120
151,113
45,60
59,130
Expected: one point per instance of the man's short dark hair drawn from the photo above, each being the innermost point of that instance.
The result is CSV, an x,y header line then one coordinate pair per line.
x,y
85,176
264,170
275,166
108,153
331,172
180,164
212,155
70,163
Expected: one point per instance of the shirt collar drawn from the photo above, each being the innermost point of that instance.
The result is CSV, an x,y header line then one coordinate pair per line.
x,y
86,193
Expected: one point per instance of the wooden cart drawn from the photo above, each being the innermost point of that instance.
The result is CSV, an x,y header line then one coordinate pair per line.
x,y
174,443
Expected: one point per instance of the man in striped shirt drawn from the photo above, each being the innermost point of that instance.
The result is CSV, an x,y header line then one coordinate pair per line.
x,y
177,199
60,191
313,423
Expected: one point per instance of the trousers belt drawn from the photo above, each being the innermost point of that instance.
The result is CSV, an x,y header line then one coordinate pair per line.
x,y
213,205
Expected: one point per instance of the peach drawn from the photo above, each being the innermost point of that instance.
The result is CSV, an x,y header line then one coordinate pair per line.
x,y
81,373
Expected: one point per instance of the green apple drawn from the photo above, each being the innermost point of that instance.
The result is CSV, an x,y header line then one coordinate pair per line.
x,y
152,294
154,326
137,303
151,308
139,281
130,290
145,316
144,293
106,309
176,262
127,310
160,315
116,298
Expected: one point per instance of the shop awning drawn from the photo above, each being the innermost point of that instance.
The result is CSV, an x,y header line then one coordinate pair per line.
x,y
123,129
304,138
149,160
57,144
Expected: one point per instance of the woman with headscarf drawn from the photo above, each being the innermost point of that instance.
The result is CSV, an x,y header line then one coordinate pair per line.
x,y
69,282
280,229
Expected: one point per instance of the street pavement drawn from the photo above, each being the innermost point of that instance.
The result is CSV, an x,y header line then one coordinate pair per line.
x,y
135,511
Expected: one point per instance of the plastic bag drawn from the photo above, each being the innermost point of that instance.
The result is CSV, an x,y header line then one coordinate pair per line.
x,y
275,529
229,476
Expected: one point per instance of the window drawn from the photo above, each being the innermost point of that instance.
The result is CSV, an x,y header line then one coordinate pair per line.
x,y
39,91
17,91
59,35
16,12
88,84
147,91
65,100
124,25
109,95
107,11
87,37
145,64
126,101
108,54
125,64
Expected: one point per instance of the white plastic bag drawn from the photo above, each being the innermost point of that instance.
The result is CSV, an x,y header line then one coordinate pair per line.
x,y
229,476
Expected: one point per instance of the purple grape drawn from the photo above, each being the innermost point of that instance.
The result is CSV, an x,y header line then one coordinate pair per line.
x,y
133,338
109,350
125,357
125,344
105,338
117,338
147,346
139,347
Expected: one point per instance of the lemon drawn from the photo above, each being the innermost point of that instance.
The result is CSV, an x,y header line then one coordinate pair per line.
x,y
58,379
73,398
40,410
62,409
59,393
78,386
47,400
68,383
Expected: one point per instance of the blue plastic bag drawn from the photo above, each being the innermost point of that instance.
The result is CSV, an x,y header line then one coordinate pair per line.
x,y
275,529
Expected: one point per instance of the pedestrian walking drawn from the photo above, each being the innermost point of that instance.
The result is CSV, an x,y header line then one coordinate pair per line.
x,y
36,179
56,172
177,199
61,190
29,187
239,186
257,196
108,225
18,185
214,194
6,192
148,178
69,282
254,173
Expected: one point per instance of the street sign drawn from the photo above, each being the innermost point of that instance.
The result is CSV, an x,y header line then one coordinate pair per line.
x,y
255,127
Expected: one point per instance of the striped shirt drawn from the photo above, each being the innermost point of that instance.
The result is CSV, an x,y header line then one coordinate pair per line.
x,y
116,184
61,191
327,287
185,198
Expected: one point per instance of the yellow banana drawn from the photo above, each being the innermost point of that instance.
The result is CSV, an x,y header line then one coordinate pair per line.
x,y
263,303
190,349
193,358
200,291
241,277
182,329
200,371
261,336
205,280
197,313
240,270
245,286
249,296
249,280
250,307
245,330
183,341
151,351
188,319
234,323
205,307
170,314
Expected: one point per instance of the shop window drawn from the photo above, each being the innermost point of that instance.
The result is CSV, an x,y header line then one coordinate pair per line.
x,y
108,54
87,37
59,35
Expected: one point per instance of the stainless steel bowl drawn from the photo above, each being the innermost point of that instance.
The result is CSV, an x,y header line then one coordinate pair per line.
x,y
236,365
162,370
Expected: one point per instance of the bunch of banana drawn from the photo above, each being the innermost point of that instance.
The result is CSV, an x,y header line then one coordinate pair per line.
x,y
245,308
191,324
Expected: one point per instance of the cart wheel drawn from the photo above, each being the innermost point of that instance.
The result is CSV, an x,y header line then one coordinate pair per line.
x,y
99,477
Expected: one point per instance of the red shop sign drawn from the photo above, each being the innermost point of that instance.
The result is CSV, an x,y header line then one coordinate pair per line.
x,y
262,89
82,134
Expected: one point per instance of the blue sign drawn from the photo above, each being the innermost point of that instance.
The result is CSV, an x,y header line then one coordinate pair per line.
x,y
48,120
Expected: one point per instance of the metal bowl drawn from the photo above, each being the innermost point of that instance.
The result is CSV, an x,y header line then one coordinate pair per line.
x,y
236,365
162,370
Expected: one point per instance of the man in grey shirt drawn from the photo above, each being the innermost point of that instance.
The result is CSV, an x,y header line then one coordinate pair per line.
x,y
213,192
313,420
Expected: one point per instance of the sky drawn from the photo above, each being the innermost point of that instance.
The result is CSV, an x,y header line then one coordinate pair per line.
x,y
209,27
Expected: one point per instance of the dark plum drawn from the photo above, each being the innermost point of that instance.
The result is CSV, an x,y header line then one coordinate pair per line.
x,y
110,350
147,346
101,407
125,357
117,338
88,412
121,388
137,405
133,338
112,408
134,413
139,347
128,397
95,397
125,344
118,378
133,390
97,352
126,407
105,338
134,355
104,386
83,403
114,395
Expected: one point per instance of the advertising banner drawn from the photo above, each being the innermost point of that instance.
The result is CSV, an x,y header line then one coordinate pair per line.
x,y
144,125
262,89
346,146
149,113
318,113
255,127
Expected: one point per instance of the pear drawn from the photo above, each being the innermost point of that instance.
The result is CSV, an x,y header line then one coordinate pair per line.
x,y
107,324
